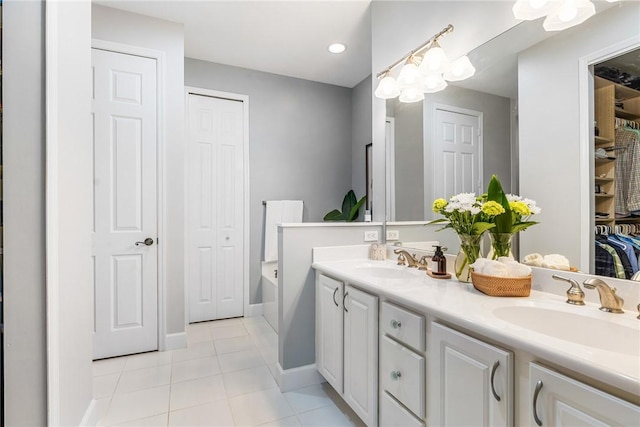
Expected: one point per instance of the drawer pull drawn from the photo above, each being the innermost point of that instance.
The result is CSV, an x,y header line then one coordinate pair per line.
x,y
334,297
396,375
493,374
535,402
343,304
395,324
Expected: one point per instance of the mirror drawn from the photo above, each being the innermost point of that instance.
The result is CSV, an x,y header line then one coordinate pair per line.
x,y
496,80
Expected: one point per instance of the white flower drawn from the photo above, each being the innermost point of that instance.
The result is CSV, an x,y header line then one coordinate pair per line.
x,y
474,210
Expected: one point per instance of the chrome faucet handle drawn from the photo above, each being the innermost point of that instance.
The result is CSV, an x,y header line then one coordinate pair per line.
x,y
575,294
422,264
609,301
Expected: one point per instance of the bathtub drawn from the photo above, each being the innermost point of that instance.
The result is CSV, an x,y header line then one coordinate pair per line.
x,y
270,293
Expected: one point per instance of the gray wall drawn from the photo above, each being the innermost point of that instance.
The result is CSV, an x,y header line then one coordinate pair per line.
x,y
23,150
360,136
299,139
550,128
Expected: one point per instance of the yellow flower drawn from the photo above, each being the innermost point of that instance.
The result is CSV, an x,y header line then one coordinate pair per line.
x,y
492,208
438,205
520,208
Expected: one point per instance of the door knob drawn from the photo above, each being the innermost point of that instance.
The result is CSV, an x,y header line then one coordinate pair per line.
x,y
148,242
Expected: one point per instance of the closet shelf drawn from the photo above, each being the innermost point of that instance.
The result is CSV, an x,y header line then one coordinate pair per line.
x,y
630,220
624,114
602,141
604,196
604,220
600,160
604,180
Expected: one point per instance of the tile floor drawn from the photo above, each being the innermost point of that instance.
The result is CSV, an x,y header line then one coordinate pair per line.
x,y
225,377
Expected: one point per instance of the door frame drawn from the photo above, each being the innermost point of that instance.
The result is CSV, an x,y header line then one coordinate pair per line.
x,y
585,120
160,59
428,198
248,309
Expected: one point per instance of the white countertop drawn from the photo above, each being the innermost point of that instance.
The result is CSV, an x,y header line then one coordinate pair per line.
x,y
459,303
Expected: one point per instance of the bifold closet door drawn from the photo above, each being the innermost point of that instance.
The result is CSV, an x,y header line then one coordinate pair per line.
x,y
215,207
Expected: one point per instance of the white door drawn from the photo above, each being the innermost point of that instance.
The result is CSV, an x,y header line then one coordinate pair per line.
x,y
561,401
329,330
216,208
361,354
125,208
456,154
472,381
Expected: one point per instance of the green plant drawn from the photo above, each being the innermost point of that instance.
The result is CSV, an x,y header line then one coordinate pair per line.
x,y
350,209
517,210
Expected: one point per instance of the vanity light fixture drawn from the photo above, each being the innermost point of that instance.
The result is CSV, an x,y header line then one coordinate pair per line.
x,y
560,14
425,70
337,47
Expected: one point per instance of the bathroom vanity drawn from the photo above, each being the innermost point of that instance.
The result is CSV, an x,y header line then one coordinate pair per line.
x,y
404,349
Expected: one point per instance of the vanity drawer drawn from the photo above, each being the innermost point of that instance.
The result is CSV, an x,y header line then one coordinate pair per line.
x,y
392,414
403,325
402,374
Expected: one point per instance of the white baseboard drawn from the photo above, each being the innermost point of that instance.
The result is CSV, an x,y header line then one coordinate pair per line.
x,y
295,378
253,310
175,341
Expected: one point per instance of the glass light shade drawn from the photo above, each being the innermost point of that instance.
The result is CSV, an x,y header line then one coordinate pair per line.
x,y
433,83
568,14
409,75
387,88
460,69
411,94
532,9
434,61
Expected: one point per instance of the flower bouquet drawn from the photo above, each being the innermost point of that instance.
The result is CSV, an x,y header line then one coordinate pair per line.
x,y
470,217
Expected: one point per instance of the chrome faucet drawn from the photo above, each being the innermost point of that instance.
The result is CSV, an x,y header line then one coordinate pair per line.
x,y
411,260
609,301
575,295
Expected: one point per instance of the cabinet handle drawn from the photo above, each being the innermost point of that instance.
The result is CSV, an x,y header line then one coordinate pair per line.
x,y
343,304
395,324
535,402
396,375
334,296
493,374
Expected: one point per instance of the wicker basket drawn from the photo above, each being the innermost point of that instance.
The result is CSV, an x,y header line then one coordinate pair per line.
x,y
502,286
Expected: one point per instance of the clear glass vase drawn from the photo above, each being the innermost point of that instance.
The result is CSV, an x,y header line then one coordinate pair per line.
x,y
468,254
500,245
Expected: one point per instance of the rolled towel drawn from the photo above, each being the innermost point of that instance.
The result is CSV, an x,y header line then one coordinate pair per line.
x,y
479,265
556,261
495,268
533,259
516,269
507,260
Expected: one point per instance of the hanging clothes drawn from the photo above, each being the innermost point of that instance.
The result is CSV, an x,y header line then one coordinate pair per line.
x,y
608,261
627,198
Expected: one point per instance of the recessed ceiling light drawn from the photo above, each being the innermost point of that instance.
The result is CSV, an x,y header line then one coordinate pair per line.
x,y
337,48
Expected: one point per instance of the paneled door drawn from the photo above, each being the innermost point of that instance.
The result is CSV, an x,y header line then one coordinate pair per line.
x,y
456,154
125,254
215,207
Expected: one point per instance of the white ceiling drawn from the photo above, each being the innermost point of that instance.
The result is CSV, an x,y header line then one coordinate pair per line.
x,y
282,37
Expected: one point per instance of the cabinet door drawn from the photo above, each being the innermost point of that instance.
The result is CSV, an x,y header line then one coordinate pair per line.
x,y
472,381
361,354
561,401
329,330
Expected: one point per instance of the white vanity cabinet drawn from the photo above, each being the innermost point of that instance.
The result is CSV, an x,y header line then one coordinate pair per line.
x,y
347,344
471,382
557,400
402,366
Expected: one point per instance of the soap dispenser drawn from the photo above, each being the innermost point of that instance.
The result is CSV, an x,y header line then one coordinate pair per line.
x,y
438,262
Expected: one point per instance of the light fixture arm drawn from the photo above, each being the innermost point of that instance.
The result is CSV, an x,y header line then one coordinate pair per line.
x,y
423,46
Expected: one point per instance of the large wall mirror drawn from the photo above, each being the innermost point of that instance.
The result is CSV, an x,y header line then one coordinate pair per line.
x,y
551,160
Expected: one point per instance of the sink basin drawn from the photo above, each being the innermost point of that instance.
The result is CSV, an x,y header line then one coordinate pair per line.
x,y
384,272
583,330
